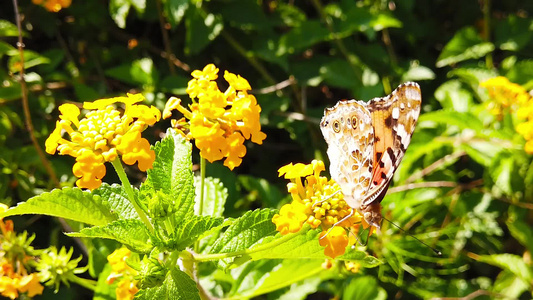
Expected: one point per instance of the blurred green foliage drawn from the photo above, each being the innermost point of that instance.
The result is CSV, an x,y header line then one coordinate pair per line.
x,y
464,186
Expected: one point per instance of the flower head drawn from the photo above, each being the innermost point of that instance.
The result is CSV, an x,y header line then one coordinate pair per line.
x,y
103,134
53,5
58,266
318,202
513,97
127,286
219,122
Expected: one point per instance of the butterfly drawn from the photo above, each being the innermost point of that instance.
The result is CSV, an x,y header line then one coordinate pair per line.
x,y
366,143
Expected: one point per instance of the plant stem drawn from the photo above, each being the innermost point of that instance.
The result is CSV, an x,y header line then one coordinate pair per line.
x,y
216,256
486,30
86,283
201,200
131,195
25,105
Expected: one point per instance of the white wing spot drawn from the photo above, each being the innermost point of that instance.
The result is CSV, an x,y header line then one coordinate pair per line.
x,y
395,113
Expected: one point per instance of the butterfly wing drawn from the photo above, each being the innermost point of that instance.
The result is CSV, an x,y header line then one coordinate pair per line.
x,y
348,131
393,118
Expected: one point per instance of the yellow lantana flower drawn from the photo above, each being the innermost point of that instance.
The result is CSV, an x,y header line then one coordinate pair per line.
x,y
318,202
53,5
515,98
219,122
127,286
102,135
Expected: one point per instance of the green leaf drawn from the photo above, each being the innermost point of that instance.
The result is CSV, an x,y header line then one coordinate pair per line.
x,y
31,59
245,15
9,29
510,262
174,84
215,195
302,37
261,189
132,233
69,203
119,9
362,288
141,71
266,276
452,96
302,246
340,74
188,232
464,120
245,232
522,73
513,33
177,286
117,199
465,44
175,10
417,72
172,173
6,48
105,291
201,29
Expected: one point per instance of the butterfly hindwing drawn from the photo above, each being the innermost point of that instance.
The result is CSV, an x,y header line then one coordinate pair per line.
x,y
348,131
393,118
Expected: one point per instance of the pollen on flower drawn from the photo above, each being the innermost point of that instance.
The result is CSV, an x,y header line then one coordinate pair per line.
x,y
103,134
318,202
219,122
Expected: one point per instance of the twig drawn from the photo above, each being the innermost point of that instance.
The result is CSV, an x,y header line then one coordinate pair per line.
x,y
473,295
166,40
419,185
276,87
29,124
437,164
299,117
25,105
166,55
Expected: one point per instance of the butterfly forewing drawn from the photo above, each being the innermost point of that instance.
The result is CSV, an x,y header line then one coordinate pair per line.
x,y
348,131
393,118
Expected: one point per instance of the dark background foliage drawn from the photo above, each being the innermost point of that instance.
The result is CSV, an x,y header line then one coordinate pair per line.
x,y
300,57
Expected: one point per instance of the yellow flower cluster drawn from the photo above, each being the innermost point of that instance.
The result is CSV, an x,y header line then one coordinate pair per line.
x,y
14,281
504,94
102,135
53,5
514,97
127,286
219,122
317,201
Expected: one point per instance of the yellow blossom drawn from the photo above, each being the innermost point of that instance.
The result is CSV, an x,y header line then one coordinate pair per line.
x,y
102,135
219,122
318,202
126,290
127,286
335,241
12,283
53,5
511,96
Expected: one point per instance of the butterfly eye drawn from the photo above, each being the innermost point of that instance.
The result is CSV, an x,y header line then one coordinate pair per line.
x,y
336,126
354,123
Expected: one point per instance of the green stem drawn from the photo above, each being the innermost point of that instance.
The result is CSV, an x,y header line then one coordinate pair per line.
x,y
86,283
202,192
486,29
131,195
216,256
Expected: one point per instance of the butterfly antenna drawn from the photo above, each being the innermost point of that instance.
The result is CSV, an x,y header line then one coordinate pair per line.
x,y
342,220
326,199
403,230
